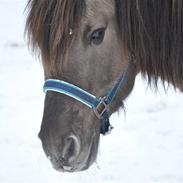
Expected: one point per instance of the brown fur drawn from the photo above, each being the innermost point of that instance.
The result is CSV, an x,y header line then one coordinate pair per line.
x,y
48,26
153,30
150,29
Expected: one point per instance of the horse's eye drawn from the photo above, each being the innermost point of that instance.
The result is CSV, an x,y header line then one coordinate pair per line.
x,y
97,36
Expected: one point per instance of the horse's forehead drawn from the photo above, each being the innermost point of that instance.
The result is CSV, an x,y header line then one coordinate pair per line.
x,y
100,7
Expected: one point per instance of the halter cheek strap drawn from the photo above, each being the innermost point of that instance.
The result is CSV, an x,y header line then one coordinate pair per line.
x,y
100,105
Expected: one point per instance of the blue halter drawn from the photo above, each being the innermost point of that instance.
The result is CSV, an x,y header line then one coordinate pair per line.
x,y
99,105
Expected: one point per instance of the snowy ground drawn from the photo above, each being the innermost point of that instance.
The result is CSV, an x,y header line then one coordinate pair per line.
x,y
145,146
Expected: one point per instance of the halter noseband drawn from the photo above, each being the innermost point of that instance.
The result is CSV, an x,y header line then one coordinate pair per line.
x,y
100,105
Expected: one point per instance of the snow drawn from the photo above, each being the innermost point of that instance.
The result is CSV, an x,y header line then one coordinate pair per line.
x,y
146,145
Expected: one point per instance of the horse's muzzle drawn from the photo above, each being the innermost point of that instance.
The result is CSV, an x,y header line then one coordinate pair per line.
x,y
68,156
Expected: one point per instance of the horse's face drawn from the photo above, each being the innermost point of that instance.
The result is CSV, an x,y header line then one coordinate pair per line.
x,y
70,130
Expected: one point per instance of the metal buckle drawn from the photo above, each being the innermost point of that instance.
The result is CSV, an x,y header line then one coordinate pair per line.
x,y
100,108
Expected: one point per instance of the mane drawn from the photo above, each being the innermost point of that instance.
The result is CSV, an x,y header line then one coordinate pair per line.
x,y
48,25
153,30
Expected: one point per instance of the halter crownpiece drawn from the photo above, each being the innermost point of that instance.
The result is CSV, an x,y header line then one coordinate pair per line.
x,y
100,105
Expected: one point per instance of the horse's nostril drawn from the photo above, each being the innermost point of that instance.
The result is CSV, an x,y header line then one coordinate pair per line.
x,y
70,149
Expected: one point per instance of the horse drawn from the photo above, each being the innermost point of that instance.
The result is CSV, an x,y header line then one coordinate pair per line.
x,y
91,52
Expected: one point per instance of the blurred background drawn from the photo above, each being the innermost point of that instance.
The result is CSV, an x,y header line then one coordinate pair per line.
x,y
146,144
